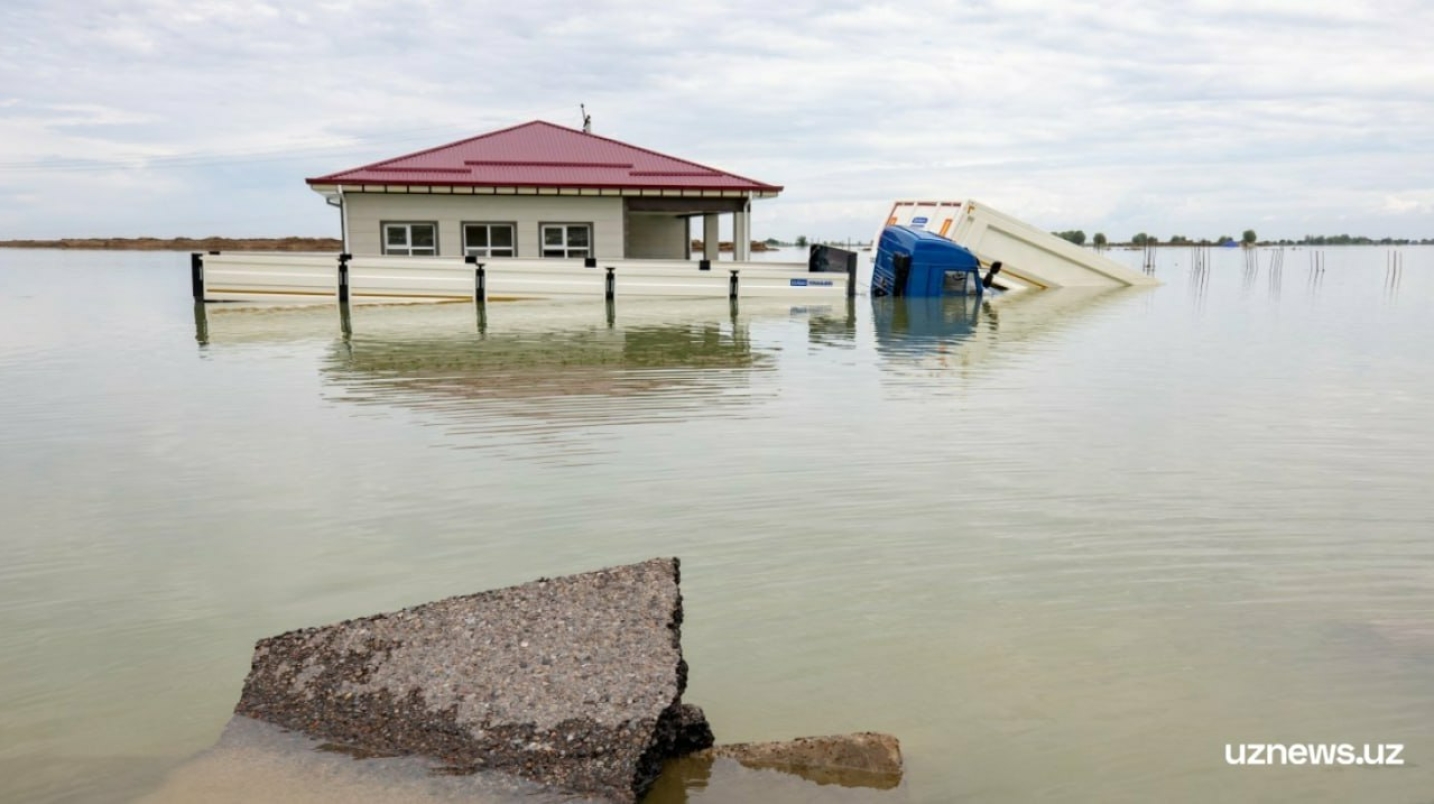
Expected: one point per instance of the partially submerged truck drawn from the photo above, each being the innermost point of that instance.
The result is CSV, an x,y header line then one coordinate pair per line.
x,y
1029,257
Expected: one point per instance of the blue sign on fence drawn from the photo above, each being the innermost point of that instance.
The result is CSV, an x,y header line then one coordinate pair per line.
x,y
918,222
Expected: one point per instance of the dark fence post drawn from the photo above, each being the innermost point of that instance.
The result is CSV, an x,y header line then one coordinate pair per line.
x,y
611,283
480,280
196,275
704,265
851,275
732,285
344,278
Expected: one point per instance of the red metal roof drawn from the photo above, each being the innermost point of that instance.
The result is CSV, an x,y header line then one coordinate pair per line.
x,y
540,154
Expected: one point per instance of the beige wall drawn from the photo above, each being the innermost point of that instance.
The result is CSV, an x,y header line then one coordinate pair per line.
x,y
656,236
368,211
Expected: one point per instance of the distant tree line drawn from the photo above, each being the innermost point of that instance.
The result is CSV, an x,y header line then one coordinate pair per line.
x,y
1347,240
1250,238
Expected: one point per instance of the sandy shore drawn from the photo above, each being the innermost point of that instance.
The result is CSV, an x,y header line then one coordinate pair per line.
x,y
183,244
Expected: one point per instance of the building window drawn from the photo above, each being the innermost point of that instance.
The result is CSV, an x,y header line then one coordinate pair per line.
x,y
567,239
410,239
489,240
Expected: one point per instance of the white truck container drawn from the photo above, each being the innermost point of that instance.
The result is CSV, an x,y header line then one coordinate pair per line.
x,y
1029,257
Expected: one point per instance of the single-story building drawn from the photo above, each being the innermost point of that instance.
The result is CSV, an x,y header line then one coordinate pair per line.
x,y
539,190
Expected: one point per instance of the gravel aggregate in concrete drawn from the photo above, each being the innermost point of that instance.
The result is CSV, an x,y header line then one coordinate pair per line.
x,y
573,682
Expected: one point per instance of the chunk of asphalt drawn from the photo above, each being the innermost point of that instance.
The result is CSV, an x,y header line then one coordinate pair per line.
x,y
574,683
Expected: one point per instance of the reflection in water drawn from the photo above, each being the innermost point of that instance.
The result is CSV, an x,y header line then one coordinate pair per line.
x,y
1199,279
913,325
918,337
554,366
585,362
255,761
833,327
1315,277
201,324
704,780
1393,273
548,372
1251,273
516,375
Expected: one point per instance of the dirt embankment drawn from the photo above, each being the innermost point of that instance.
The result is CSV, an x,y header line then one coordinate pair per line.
x,y
183,244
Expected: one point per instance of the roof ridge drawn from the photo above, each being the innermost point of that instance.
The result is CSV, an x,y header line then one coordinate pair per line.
x,y
455,143
658,153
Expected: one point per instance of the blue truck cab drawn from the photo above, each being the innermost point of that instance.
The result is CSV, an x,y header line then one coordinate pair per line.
x,y
914,262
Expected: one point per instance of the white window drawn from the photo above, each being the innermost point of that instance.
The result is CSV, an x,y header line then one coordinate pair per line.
x,y
567,239
489,240
410,239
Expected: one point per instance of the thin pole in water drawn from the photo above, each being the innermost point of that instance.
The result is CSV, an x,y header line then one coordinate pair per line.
x,y
480,294
1393,269
480,280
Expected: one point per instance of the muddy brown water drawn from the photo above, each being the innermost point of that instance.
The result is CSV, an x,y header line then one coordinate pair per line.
x,y
1066,547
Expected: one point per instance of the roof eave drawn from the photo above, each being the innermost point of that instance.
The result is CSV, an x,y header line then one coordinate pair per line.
x,y
761,190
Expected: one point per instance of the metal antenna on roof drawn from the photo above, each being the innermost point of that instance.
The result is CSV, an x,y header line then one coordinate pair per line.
x,y
587,119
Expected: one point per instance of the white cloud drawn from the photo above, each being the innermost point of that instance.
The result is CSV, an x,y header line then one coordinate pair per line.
x,y
1167,117
1416,203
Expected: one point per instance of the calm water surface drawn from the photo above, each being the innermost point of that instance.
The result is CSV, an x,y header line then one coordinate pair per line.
x,y
1066,546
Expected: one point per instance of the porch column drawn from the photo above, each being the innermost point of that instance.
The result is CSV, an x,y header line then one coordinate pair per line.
x,y
710,235
344,220
742,232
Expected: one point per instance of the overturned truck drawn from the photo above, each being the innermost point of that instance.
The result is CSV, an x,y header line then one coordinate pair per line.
x,y
1029,257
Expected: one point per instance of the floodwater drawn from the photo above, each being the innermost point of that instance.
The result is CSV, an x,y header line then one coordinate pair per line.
x,y
1067,547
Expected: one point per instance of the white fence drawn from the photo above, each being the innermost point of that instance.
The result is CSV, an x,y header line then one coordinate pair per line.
x,y
239,276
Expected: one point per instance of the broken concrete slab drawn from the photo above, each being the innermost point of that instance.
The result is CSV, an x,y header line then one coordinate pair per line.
x,y
574,683
866,759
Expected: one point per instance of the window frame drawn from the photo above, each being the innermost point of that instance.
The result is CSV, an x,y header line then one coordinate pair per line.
x,y
567,248
512,228
407,250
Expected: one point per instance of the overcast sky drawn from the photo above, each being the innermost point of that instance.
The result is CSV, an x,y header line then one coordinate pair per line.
x,y
198,117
